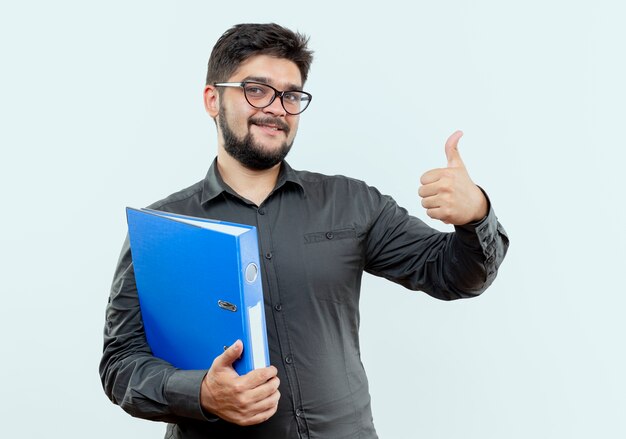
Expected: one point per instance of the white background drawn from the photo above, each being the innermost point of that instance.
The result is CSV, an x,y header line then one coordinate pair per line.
x,y
101,109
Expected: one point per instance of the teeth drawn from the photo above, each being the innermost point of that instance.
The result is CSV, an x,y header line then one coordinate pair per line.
x,y
270,127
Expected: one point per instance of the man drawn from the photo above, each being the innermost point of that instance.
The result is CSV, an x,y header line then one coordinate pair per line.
x,y
317,234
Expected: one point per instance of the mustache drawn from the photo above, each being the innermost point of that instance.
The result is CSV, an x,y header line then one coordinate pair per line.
x,y
280,124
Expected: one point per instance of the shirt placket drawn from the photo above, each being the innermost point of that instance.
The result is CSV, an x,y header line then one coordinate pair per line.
x,y
268,254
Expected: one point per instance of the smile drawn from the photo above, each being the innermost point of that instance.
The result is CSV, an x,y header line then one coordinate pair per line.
x,y
271,125
274,128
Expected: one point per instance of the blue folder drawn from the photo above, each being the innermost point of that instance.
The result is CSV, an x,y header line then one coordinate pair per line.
x,y
199,287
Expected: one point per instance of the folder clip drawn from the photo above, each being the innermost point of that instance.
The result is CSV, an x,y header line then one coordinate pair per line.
x,y
227,305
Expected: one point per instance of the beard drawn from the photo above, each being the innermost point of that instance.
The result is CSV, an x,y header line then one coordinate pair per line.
x,y
247,151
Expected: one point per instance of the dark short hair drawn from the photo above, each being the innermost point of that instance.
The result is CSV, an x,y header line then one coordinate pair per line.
x,y
242,41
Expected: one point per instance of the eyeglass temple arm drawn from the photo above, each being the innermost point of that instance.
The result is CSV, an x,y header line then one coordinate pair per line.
x,y
228,84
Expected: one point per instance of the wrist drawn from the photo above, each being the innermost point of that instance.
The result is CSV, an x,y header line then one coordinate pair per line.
x,y
483,206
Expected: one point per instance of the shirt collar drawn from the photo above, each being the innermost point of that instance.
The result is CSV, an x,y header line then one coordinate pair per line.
x,y
214,184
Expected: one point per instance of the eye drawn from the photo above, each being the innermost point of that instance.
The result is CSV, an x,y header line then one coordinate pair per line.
x,y
292,98
255,91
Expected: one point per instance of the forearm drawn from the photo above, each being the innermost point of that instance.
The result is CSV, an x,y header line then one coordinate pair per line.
x,y
476,252
143,385
149,388
445,265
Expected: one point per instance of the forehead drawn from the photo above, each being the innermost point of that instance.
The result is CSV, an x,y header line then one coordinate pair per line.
x,y
280,73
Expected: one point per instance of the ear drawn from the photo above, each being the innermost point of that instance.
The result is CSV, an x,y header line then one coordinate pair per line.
x,y
211,101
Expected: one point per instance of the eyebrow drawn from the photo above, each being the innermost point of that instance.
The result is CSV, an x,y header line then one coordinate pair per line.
x,y
264,80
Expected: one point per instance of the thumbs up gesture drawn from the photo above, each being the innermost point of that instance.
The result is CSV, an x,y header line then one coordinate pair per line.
x,y
449,194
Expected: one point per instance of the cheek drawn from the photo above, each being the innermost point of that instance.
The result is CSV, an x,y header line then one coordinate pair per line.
x,y
238,121
294,128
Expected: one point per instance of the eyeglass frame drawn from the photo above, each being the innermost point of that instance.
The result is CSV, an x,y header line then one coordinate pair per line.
x,y
277,93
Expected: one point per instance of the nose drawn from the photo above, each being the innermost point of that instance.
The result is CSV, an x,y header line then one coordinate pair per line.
x,y
275,108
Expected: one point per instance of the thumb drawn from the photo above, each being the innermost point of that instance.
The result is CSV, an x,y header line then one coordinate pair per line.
x,y
230,355
452,150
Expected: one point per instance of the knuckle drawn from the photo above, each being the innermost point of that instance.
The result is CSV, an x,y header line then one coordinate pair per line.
x,y
243,401
269,374
266,415
237,402
271,413
262,376
238,388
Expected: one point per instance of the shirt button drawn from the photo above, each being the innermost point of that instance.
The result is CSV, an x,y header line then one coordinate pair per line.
x,y
261,211
330,235
288,359
268,255
278,307
299,413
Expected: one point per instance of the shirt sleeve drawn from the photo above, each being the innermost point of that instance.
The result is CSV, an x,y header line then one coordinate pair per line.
x,y
447,266
143,385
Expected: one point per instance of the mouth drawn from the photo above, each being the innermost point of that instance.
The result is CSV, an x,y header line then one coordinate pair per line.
x,y
271,126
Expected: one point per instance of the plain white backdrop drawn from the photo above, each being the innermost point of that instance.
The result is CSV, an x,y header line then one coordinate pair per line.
x,y
101,109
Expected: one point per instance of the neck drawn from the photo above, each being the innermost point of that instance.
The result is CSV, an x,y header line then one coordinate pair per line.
x,y
251,184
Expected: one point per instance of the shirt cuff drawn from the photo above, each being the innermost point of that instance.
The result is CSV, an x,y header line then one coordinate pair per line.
x,y
182,392
480,234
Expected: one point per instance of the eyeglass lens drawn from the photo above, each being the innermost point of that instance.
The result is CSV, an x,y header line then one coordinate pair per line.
x,y
261,96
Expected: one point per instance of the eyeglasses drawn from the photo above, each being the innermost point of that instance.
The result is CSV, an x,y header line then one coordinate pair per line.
x,y
262,95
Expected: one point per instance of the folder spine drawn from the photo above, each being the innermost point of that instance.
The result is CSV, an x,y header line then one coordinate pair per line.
x,y
255,354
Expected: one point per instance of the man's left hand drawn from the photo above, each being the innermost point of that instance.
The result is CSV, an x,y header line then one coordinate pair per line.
x,y
449,194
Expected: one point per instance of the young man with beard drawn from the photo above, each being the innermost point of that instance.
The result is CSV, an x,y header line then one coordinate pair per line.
x,y
317,234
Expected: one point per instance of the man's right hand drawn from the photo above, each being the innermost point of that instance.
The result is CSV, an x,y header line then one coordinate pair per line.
x,y
244,400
